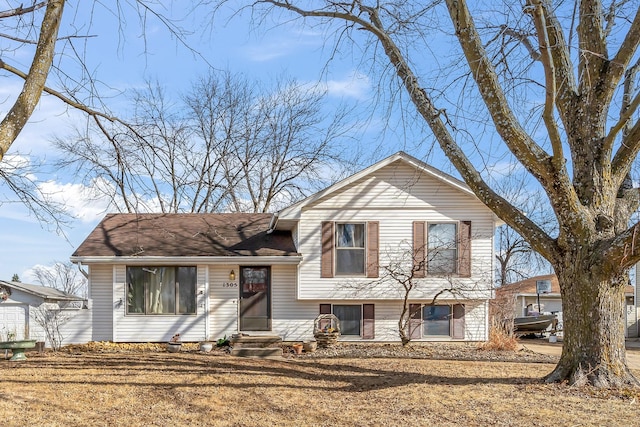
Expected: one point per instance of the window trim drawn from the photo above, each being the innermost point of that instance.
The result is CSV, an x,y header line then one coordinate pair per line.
x,y
449,320
176,291
337,248
464,245
457,321
367,324
428,250
328,251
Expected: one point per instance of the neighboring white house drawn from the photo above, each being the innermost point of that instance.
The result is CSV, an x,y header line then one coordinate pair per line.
x,y
209,275
524,297
23,304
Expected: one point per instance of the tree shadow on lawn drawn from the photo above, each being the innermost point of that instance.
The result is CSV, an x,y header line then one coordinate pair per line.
x,y
312,374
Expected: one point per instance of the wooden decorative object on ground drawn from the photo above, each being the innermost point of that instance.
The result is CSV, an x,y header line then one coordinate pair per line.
x,y
326,330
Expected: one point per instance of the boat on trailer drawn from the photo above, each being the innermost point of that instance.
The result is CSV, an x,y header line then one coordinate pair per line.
x,y
533,323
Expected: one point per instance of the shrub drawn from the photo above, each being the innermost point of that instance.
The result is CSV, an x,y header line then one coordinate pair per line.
x,y
501,337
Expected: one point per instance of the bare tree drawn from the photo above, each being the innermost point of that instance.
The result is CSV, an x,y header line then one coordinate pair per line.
x,y
549,76
278,145
425,275
63,276
51,317
516,259
232,145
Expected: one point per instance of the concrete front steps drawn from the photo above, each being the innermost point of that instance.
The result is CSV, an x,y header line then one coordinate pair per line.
x,y
256,346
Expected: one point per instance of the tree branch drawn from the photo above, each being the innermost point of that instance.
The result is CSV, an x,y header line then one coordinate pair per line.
x,y
565,84
550,84
630,146
625,54
515,218
22,10
593,48
67,100
26,102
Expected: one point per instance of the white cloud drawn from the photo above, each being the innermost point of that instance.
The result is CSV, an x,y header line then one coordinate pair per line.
x,y
288,40
355,85
84,203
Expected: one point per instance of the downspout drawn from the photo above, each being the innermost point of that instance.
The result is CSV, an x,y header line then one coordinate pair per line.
x,y
84,273
273,223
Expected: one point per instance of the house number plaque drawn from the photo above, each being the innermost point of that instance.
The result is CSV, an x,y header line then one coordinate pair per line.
x,y
229,285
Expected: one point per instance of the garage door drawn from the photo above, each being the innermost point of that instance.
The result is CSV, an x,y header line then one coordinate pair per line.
x,y
13,319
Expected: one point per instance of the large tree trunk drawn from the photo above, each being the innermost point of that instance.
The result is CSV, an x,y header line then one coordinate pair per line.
x,y
593,316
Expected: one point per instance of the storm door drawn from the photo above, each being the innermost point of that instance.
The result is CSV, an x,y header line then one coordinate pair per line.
x,y
255,298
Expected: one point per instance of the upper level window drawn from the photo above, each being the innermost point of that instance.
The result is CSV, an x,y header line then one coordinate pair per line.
x,y
442,248
350,248
161,290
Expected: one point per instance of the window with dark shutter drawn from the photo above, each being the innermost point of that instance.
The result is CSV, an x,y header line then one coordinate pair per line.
x,y
325,323
326,260
350,251
368,321
464,258
419,239
373,243
442,248
415,321
458,321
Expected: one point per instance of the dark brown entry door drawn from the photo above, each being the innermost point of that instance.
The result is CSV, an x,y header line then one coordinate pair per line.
x,y
255,298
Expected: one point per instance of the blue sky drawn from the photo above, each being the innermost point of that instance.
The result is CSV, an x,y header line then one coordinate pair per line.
x,y
123,58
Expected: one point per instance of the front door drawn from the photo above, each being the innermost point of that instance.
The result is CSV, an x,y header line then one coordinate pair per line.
x,y
255,298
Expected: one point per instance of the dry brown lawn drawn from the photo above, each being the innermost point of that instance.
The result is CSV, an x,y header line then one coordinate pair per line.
x,y
134,388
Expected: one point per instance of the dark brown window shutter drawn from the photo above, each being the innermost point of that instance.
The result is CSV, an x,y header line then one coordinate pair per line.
x,y
419,241
458,321
326,260
368,321
464,257
415,321
325,309
373,250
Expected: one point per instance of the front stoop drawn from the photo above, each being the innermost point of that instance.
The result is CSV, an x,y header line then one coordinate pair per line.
x,y
256,346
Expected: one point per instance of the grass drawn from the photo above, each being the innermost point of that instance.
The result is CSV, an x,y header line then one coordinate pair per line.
x,y
192,388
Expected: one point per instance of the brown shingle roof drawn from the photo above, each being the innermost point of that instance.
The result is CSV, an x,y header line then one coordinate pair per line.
x,y
177,235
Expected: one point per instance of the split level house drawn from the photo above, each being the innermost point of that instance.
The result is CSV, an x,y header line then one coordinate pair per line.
x,y
347,250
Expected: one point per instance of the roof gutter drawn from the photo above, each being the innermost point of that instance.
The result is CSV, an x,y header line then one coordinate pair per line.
x,y
182,260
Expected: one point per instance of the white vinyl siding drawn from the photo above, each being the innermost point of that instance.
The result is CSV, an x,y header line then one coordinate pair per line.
x,y
223,301
101,294
395,197
77,329
140,328
292,319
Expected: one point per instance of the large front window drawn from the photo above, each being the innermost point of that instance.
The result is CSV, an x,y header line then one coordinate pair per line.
x,y
350,249
442,248
161,290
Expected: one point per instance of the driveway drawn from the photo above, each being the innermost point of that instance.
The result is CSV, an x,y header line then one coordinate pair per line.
x,y
555,349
